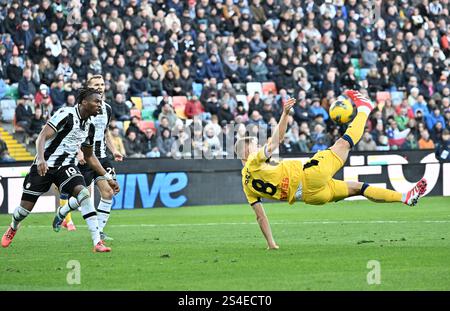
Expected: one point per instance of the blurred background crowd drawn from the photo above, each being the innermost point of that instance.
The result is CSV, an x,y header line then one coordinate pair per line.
x,y
166,62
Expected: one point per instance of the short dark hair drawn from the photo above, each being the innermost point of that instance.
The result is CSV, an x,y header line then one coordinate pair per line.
x,y
85,93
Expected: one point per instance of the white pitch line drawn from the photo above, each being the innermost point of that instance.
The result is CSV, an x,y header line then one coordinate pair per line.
x,y
272,223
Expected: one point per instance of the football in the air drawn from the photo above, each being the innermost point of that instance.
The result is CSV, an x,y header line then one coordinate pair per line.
x,y
341,110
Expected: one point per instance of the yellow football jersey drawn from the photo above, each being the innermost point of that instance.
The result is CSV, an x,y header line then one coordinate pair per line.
x,y
263,178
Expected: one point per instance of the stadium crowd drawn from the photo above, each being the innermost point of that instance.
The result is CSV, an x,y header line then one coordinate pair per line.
x,y
209,50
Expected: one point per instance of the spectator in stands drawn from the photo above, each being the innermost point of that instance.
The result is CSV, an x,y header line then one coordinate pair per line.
x,y
367,143
319,145
224,114
139,85
134,126
171,84
410,142
185,82
23,36
408,45
149,141
193,107
302,112
119,108
42,98
214,68
117,141
26,85
4,153
258,69
36,125
433,118
53,43
46,71
58,94
330,83
155,84
133,147
164,143
425,141
168,113
256,103
442,151
369,56
436,132
402,119
24,113
14,71
317,109
211,143
64,69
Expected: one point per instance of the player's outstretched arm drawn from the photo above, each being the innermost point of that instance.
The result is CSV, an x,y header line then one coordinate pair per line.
x,y
117,155
94,163
278,134
263,222
46,133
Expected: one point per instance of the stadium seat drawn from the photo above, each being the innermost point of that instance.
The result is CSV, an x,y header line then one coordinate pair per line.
x,y
239,87
243,98
126,124
149,102
358,74
147,114
397,97
355,63
253,87
268,87
179,104
17,128
197,89
137,101
7,109
383,96
159,99
144,125
119,125
363,73
12,92
135,113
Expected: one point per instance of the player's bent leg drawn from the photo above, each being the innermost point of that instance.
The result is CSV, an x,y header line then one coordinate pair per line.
x,y
341,148
356,128
90,216
381,195
67,222
19,214
104,207
62,212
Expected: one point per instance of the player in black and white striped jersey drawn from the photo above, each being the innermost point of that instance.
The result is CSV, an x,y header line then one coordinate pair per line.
x,y
102,140
56,163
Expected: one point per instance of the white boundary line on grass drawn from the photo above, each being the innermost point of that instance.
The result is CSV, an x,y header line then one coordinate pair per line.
x,y
317,222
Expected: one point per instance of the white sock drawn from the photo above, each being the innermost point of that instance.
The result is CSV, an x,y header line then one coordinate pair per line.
x,y
71,205
103,212
19,214
364,109
89,214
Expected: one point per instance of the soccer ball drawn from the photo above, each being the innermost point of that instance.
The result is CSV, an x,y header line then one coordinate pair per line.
x,y
341,111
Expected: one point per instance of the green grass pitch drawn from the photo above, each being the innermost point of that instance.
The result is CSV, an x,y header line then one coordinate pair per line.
x,y
221,248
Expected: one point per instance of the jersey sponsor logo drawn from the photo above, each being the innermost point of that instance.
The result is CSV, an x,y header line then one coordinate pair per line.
x,y
247,177
284,189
